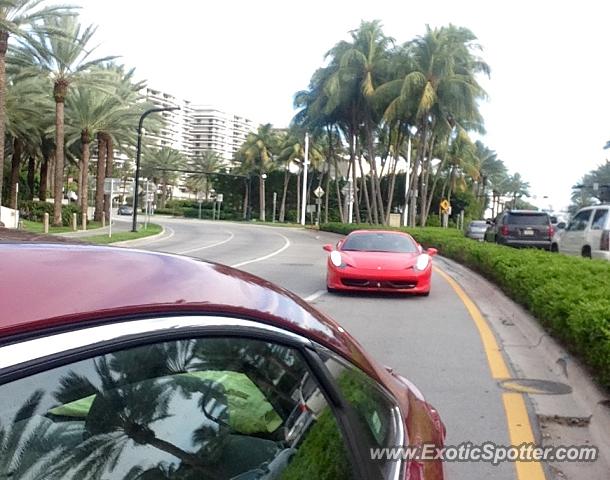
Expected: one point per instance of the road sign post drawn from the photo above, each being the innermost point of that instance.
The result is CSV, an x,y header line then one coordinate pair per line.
x,y
274,204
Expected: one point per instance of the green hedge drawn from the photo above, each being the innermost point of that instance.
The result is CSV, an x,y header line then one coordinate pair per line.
x,y
34,211
569,295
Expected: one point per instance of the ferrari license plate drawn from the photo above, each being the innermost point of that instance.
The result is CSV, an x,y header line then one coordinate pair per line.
x,y
528,231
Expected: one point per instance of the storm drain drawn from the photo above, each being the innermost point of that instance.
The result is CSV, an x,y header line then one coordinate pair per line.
x,y
534,386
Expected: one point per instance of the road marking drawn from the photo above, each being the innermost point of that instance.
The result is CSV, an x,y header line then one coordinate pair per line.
x,y
272,254
226,240
517,417
497,365
520,431
314,295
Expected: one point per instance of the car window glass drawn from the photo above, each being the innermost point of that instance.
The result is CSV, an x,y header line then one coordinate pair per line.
x,y
580,221
206,408
599,219
527,219
375,410
380,242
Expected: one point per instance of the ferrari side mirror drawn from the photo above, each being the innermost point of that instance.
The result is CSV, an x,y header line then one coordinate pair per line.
x,y
328,247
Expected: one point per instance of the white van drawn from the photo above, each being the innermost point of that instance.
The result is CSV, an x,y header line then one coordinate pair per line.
x,y
587,234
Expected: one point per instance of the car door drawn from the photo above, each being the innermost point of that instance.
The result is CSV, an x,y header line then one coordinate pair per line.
x,y
573,237
176,398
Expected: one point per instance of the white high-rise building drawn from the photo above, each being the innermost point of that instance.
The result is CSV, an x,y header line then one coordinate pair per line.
x,y
218,131
176,130
195,129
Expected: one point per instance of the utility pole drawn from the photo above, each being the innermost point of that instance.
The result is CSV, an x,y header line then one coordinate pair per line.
x,y
305,166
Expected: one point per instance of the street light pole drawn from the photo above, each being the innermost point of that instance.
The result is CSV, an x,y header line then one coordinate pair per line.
x,y
134,227
305,165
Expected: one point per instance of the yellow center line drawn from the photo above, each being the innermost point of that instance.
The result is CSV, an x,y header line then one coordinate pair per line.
x,y
520,431
519,426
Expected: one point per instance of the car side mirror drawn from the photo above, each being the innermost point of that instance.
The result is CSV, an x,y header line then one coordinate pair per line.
x,y
489,221
561,225
431,251
328,247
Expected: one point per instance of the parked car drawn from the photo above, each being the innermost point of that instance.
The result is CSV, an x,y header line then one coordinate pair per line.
x,y
476,230
379,260
521,228
186,366
125,210
587,234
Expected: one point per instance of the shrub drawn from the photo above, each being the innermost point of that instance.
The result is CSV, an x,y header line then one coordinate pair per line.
x,y
570,296
34,211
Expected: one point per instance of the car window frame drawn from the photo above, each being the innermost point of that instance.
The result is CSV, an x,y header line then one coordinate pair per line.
x,y
44,352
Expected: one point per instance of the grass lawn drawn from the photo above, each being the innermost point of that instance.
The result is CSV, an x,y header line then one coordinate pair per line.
x,y
152,229
38,227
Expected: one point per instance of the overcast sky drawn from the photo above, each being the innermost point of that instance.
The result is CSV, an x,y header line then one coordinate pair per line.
x,y
549,90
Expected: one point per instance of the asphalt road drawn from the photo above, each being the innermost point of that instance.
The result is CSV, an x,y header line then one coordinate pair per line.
x,y
432,340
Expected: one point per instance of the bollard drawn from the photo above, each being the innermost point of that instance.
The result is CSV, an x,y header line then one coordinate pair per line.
x,y
74,222
46,223
84,221
103,219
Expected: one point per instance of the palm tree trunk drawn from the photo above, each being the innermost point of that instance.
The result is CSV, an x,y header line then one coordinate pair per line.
x,y
391,189
246,195
31,176
299,198
101,171
261,198
434,183
374,180
365,189
108,172
59,162
15,169
352,160
44,171
84,190
284,191
327,195
3,48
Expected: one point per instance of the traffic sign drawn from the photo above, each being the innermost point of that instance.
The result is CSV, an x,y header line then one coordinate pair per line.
x,y
219,197
111,184
445,205
318,192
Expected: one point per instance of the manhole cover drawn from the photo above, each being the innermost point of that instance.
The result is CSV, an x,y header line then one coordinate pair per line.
x,y
530,385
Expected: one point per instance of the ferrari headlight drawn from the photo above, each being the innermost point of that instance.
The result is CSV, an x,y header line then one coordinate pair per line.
x,y
422,262
335,258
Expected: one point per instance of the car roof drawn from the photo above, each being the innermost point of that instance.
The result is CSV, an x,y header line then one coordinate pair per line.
x,y
393,232
45,286
527,212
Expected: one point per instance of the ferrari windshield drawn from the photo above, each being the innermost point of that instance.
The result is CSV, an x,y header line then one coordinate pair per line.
x,y
380,242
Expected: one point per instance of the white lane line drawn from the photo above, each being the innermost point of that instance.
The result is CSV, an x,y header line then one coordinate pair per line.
x,y
314,295
226,240
272,254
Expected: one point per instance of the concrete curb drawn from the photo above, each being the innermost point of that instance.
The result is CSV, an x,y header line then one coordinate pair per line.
x,y
134,242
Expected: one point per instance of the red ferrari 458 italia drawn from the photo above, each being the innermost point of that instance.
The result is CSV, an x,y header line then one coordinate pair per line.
x,y
385,261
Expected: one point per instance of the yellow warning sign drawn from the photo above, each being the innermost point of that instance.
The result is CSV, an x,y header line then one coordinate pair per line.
x,y
445,205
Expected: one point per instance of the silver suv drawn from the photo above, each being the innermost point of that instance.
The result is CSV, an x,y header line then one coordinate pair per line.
x,y
587,234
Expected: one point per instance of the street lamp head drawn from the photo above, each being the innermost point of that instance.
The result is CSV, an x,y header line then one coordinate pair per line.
x,y
264,176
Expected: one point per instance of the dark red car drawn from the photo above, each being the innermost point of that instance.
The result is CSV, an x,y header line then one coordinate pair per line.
x,y
379,260
124,364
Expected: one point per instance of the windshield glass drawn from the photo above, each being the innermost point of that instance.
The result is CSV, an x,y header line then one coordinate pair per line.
x,y
380,242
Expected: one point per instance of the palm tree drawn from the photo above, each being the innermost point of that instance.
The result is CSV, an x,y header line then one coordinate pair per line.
x,y
366,61
67,60
161,165
258,151
27,111
16,18
205,164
